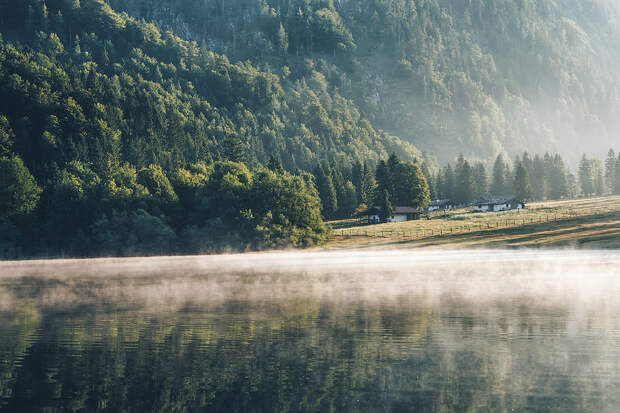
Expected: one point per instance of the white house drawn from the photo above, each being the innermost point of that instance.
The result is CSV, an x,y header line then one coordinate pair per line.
x,y
399,214
438,204
498,204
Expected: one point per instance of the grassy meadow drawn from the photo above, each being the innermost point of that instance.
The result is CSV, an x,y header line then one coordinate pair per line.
x,y
584,223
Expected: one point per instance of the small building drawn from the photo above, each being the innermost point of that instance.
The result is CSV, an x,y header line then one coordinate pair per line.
x,y
440,204
399,214
498,204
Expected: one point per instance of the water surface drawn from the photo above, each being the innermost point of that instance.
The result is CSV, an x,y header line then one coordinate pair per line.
x,y
313,332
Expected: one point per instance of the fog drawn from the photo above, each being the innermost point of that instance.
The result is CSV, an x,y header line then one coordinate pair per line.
x,y
549,277
367,330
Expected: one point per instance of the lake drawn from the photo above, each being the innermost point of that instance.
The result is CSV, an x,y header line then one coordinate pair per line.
x,y
383,331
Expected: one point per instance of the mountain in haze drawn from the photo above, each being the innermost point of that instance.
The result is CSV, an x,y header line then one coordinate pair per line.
x,y
480,76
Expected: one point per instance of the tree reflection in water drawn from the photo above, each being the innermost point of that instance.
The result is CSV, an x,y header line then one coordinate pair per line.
x,y
542,338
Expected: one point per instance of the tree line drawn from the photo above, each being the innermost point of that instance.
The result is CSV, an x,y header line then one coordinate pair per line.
x,y
345,191
527,178
128,211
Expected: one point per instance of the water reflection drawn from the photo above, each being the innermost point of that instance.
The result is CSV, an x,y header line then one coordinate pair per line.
x,y
391,331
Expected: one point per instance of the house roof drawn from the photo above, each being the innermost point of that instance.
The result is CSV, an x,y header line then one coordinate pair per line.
x,y
398,210
405,210
496,201
441,202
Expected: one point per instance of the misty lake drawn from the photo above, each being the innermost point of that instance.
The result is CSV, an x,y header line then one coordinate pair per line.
x,y
483,331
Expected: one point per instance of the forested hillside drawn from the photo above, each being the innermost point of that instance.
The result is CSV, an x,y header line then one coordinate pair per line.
x,y
119,138
479,77
72,70
139,127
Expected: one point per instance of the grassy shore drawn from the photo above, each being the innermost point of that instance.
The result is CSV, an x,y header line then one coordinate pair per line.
x,y
584,223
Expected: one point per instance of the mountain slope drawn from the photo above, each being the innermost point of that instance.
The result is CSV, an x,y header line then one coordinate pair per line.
x,y
80,81
478,76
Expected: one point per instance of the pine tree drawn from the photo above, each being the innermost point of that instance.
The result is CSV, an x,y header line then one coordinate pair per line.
x,y
498,186
558,182
348,200
356,178
19,192
447,188
275,165
464,182
327,191
598,176
386,206
367,186
439,183
538,178
233,149
527,162
610,171
481,181
586,179
572,186
522,188
393,163
7,137
282,40
383,179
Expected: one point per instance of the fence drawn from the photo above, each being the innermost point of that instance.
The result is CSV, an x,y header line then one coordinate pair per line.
x,y
449,230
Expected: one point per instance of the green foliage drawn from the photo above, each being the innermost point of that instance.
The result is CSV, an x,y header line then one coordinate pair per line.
x,y
327,191
558,179
132,233
285,211
481,181
10,239
156,182
610,171
7,137
546,177
522,188
349,200
446,183
480,77
501,180
329,32
586,176
410,186
102,85
383,178
385,205
19,192
233,149
73,205
465,182
403,182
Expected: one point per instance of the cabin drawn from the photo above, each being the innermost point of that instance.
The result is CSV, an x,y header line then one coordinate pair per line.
x,y
399,214
498,204
440,204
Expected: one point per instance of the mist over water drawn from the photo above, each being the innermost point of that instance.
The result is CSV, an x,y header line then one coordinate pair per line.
x,y
352,331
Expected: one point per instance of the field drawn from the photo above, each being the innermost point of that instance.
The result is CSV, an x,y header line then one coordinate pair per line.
x,y
584,223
